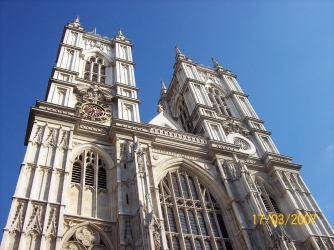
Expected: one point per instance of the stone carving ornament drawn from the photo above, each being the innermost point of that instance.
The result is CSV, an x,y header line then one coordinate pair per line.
x,y
93,92
85,238
242,143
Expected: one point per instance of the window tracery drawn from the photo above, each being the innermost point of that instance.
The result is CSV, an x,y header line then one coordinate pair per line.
x,y
218,101
85,238
184,117
267,200
191,214
95,70
89,162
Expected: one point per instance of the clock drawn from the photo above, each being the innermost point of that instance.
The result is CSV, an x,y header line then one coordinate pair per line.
x,y
94,110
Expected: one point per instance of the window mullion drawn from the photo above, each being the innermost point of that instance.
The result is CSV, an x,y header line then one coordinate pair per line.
x,y
205,216
83,176
176,213
96,170
91,71
170,184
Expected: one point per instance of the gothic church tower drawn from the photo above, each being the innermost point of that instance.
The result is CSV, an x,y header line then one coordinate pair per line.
x,y
203,174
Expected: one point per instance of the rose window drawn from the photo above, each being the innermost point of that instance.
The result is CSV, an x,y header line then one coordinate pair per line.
x,y
242,143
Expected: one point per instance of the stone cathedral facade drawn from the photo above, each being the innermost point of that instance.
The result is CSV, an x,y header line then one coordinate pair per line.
x,y
203,174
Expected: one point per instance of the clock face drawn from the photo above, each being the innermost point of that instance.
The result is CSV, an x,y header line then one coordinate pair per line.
x,y
94,110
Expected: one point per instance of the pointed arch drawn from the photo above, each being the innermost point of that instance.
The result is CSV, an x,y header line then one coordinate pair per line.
x,y
209,83
90,182
194,169
77,150
195,205
268,195
96,52
103,236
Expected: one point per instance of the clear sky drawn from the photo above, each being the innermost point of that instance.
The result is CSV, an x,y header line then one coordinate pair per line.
x,y
282,52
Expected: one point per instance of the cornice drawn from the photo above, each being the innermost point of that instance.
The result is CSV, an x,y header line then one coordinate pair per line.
x,y
103,39
233,92
187,83
63,70
116,84
260,131
50,110
80,29
122,97
249,118
128,43
123,61
70,46
273,161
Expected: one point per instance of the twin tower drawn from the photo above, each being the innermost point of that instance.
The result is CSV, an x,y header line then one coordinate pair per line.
x,y
203,174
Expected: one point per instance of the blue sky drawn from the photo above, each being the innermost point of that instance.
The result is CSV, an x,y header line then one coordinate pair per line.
x,y
282,52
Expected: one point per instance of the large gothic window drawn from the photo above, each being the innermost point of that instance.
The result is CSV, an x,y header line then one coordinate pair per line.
x,y
95,70
218,101
184,117
192,216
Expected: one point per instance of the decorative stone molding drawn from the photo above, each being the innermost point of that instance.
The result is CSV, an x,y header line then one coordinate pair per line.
x,y
179,154
131,127
17,223
51,228
37,139
102,190
173,134
94,92
91,188
35,223
246,146
90,128
57,110
230,126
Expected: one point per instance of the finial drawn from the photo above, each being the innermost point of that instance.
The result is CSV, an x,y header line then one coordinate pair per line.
x,y
77,20
216,64
160,108
163,87
178,51
179,54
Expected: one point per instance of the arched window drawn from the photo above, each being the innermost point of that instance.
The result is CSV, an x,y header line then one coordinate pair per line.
x,y
191,213
267,200
87,162
95,72
218,101
184,117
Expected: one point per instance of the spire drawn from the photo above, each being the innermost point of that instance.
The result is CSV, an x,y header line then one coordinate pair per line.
x,y
179,54
76,23
216,65
76,20
178,51
121,37
163,88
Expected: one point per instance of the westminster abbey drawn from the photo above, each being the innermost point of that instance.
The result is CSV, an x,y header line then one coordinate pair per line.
x,y
203,174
